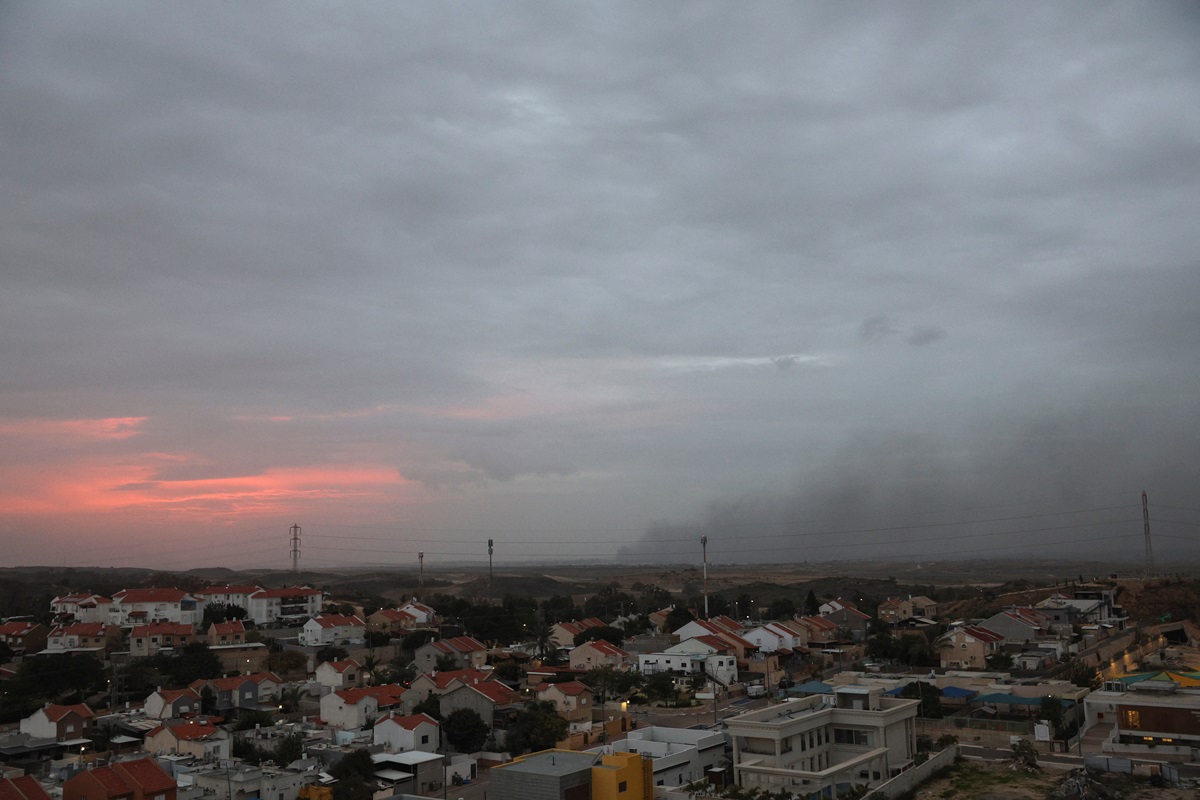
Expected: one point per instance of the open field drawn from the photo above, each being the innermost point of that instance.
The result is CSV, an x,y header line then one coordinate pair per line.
x,y
984,780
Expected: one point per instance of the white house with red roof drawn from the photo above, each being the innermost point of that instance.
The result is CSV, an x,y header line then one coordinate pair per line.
x,y
742,647
783,636
820,630
330,629
599,653
142,606
60,723
340,674
238,692
80,607
147,640
572,699
467,652
201,739
172,703
431,683
563,633
708,655
269,685
399,733
290,604
354,709
422,613
229,595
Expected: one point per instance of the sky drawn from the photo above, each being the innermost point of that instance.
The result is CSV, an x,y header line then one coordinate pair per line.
x,y
817,281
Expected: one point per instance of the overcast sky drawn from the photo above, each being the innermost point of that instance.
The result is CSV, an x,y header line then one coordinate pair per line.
x,y
817,280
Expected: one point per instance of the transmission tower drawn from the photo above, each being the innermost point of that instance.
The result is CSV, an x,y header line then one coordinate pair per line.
x,y
295,550
1146,526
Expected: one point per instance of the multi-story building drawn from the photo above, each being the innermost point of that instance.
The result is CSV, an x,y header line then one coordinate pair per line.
x,y
679,756
815,745
567,775
60,723
291,604
332,629
82,637
23,636
147,640
142,779
142,606
467,653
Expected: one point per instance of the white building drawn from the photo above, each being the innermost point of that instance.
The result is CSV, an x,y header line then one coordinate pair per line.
x,y
328,629
142,606
291,604
818,743
704,654
399,733
678,755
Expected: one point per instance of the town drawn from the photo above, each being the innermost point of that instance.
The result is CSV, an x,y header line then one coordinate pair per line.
x,y
233,692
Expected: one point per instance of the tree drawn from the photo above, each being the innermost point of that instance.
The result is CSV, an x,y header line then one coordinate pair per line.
x,y
930,697
465,730
446,663
537,727
678,617
332,653
661,686
999,660
543,642
605,632
191,663
1051,710
431,705
602,680
1025,753
782,608
355,774
287,662
812,606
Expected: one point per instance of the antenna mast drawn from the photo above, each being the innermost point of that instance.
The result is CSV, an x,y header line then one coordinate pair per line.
x,y
704,551
1146,525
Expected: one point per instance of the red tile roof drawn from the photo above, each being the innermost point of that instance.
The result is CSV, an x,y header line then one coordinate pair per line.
x,y
495,691
162,629
24,787
146,773
210,590
605,647
92,629
54,713
342,666
150,596
443,679
229,627
569,688
409,722
17,628
191,732
291,591
337,620
395,614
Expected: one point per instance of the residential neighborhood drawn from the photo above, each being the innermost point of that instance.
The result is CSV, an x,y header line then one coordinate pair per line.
x,y
409,683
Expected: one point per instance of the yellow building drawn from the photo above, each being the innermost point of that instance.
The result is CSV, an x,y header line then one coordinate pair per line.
x,y
569,775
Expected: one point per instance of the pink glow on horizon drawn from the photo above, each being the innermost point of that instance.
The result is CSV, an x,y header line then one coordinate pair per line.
x,y
104,487
99,428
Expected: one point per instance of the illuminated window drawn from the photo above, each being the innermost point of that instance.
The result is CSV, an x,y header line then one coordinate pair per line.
x,y
1133,719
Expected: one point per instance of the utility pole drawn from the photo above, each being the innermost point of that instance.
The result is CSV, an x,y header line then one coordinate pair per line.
x,y
295,550
704,551
421,571
490,578
1146,526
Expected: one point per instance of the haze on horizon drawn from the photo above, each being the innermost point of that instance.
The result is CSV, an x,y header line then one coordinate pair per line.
x,y
816,281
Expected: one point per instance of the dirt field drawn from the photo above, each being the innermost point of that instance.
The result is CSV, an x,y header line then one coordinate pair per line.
x,y
981,780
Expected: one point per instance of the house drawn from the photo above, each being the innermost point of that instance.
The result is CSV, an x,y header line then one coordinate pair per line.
x,y
922,606
707,655
141,606
679,756
60,723
22,787
852,624
658,619
466,652
811,746
829,606
573,700
563,633
354,709
784,636
246,657
391,621
820,630
172,703
80,607
237,693
598,653
967,647
142,779
147,640
229,595
440,682
494,702
290,604
742,647
332,629
23,636
340,674
229,632
398,733
269,685
423,615
82,637
567,775
1020,626
1153,715
203,740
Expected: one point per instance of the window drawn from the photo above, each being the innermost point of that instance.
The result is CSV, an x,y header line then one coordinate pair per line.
x,y
849,736
622,786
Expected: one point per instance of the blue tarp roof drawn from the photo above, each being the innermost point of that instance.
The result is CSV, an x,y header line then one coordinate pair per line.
x,y
1012,699
812,687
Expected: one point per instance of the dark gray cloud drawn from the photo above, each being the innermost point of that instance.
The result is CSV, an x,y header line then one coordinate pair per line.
x,y
575,270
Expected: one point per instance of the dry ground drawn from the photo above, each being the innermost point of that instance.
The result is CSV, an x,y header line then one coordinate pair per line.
x,y
982,780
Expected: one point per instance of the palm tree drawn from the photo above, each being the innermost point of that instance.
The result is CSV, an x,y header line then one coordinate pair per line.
x,y
370,667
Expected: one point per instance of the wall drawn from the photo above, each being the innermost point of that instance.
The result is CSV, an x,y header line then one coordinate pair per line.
x,y
907,780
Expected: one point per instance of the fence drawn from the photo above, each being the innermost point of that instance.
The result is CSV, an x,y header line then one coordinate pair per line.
x,y
909,779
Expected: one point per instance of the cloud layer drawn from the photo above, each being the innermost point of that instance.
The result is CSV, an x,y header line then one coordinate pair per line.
x,y
595,281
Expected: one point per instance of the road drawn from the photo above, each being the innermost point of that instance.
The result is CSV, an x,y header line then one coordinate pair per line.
x,y
696,716
1064,760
